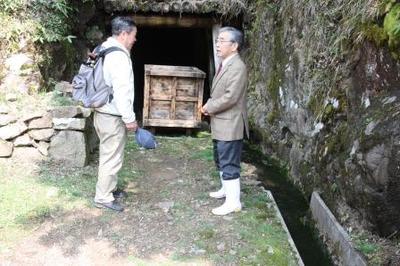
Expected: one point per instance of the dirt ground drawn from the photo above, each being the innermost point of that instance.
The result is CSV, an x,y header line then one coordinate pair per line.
x,y
167,218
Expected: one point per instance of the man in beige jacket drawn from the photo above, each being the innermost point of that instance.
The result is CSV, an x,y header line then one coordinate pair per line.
x,y
114,119
228,112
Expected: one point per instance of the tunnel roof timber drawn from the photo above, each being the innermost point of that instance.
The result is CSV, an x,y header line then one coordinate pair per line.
x,y
222,7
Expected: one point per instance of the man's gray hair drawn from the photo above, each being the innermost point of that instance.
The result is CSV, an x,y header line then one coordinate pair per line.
x,y
236,35
121,24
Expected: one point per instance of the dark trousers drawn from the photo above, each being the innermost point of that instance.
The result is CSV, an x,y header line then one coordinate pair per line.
x,y
227,156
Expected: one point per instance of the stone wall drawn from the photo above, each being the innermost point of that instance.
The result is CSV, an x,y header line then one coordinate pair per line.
x,y
325,100
65,134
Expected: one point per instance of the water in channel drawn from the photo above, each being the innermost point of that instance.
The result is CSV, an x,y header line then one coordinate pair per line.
x,y
292,205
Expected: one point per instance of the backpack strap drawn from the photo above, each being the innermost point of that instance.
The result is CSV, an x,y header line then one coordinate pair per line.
x,y
106,51
101,53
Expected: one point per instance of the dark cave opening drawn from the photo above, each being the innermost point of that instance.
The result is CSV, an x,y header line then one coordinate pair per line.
x,y
171,46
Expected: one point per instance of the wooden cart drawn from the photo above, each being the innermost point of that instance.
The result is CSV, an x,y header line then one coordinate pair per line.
x,y
173,96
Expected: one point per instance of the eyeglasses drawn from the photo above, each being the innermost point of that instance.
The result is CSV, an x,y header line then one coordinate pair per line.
x,y
221,41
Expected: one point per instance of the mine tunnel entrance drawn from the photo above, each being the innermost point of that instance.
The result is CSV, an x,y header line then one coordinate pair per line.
x,y
175,46
183,41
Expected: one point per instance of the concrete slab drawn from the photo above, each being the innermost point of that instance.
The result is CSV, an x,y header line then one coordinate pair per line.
x,y
329,227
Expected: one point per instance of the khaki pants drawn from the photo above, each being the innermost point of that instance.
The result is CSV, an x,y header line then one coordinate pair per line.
x,y
112,134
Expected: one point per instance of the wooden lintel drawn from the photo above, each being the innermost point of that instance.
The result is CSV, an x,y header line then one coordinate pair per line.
x,y
174,21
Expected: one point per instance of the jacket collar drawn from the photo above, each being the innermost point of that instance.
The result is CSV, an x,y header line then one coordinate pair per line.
x,y
224,69
111,41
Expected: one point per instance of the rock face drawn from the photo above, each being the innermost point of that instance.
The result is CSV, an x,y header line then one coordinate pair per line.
x,y
41,134
42,122
12,130
69,123
69,147
6,148
327,106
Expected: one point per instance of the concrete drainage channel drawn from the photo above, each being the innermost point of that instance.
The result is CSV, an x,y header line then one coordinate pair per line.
x,y
293,211
290,239
334,232
293,207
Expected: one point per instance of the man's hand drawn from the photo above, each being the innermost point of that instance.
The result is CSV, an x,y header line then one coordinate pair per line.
x,y
204,111
131,126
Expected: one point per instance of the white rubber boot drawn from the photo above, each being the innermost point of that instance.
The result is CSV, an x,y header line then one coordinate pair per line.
x,y
232,200
221,192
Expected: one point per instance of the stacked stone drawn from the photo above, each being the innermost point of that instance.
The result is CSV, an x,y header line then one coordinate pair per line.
x,y
31,130
65,134
75,137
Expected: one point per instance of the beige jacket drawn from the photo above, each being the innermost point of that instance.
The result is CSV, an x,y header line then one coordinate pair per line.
x,y
227,104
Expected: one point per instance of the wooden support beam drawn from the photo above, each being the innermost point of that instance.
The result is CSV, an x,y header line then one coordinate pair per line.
x,y
173,101
174,21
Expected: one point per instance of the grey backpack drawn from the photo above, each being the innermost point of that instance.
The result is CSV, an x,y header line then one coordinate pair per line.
x,y
89,87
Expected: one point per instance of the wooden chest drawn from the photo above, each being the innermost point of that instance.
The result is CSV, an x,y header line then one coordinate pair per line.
x,y
173,96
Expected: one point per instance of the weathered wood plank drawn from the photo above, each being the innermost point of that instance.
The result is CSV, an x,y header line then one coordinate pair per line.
x,y
173,102
186,99
186,110
171,123
160,86
146,100
161,97
200,88
176,71
175,74
160,109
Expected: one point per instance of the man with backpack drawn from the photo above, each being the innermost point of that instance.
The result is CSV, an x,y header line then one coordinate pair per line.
x,y
116,117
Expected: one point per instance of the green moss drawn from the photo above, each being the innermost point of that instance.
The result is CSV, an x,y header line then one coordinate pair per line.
x,y
374,33
273,84
263,12
338,142
52,57
389,32
385,6
272,116
278,62
367,245
315,102
391,24
327,113
70,56
254,58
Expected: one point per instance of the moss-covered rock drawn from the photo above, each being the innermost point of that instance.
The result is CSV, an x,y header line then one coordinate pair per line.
x,y
391,25
322,74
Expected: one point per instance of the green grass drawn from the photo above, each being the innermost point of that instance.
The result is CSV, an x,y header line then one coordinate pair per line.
x,y
205,154
30,197
266,240
26,202
168,262
207,231
58,100
368,246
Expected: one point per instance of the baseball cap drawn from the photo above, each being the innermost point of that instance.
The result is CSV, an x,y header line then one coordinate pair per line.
x,y
145,139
